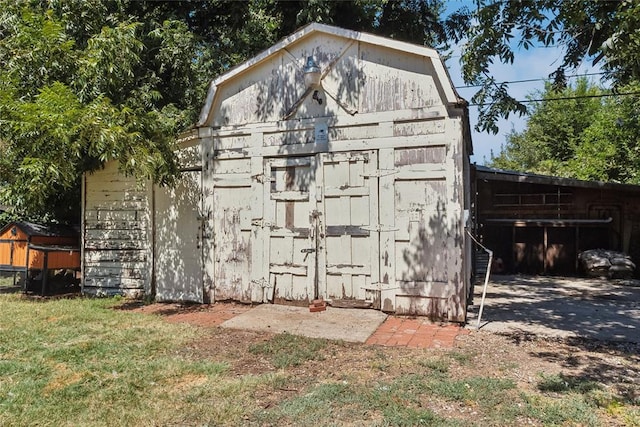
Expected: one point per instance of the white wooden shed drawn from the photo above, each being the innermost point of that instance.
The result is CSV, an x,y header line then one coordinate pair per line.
x,y
354,189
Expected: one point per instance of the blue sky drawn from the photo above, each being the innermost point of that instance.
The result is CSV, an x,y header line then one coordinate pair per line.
x,y
536,63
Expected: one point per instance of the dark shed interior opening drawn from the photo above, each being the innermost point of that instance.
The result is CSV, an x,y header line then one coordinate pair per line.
x,y
538,224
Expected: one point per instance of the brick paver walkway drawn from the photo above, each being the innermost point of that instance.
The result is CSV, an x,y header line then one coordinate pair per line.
x,y
394,331
415,333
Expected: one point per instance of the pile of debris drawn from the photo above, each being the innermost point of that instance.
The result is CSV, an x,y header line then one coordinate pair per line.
x,y
606,263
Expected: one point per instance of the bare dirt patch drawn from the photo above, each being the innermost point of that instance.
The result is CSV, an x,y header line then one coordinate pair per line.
x,y
194,314
538,366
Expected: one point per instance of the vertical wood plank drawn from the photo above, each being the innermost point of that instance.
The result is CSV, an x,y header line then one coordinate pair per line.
x,y
374,220
313,290
259,277
208,246
387,254
268,217
149,285
318,201
457,185
345,240
285,289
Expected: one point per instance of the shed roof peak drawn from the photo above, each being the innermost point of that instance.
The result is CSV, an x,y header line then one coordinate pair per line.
x,y
318,28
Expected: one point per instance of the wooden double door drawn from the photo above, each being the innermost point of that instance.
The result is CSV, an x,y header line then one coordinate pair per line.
x,y
371,228
320,227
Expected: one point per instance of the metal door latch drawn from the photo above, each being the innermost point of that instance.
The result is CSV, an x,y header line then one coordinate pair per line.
x,y
306,252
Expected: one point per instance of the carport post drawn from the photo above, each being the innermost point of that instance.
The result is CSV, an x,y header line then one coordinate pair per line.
x,y
486,277
486,282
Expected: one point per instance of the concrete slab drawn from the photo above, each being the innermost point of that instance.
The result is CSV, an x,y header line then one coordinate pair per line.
x,y
353,325
601,309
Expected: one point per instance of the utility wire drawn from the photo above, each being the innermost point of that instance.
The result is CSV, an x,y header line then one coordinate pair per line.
x,y
567,98
531,80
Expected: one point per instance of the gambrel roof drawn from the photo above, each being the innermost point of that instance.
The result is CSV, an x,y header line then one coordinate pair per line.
x,y
281,72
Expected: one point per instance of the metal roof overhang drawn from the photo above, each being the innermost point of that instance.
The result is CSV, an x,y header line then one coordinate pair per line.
x,y
491,174
548,222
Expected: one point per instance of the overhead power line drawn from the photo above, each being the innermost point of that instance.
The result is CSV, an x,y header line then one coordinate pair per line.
x,y
532,80
567,98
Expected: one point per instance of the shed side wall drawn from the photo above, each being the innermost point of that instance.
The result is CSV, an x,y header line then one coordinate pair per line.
x,y
116,234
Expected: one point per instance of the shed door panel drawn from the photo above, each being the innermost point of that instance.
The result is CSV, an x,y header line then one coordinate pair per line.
x,y
178,256
425,222
290,223
421,239
350,219
232,225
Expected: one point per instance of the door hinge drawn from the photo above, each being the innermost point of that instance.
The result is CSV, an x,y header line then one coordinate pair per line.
x,y
379,227
262,223
379,173
262,178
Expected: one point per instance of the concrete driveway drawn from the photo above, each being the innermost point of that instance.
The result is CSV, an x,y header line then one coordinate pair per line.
x,y
607,310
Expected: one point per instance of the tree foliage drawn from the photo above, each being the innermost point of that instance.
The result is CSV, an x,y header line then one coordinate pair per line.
x,y
587,30
610,150
554,130
576,133
83,83
68,104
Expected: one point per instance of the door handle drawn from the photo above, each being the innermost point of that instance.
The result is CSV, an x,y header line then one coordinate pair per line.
x,y
306,252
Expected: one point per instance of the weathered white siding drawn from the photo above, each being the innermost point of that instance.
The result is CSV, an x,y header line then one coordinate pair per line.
x,y
142,239
231,224
116,234
354,191
177,262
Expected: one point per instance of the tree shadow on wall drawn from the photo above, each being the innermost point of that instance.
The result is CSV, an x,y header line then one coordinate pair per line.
x,y
178,222
434,247
282,96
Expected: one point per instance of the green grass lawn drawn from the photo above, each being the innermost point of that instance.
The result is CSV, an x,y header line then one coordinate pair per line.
x,y
72,362
6,280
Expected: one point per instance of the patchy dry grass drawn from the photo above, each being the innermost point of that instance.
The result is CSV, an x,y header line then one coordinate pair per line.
x,y
287,350
82,362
